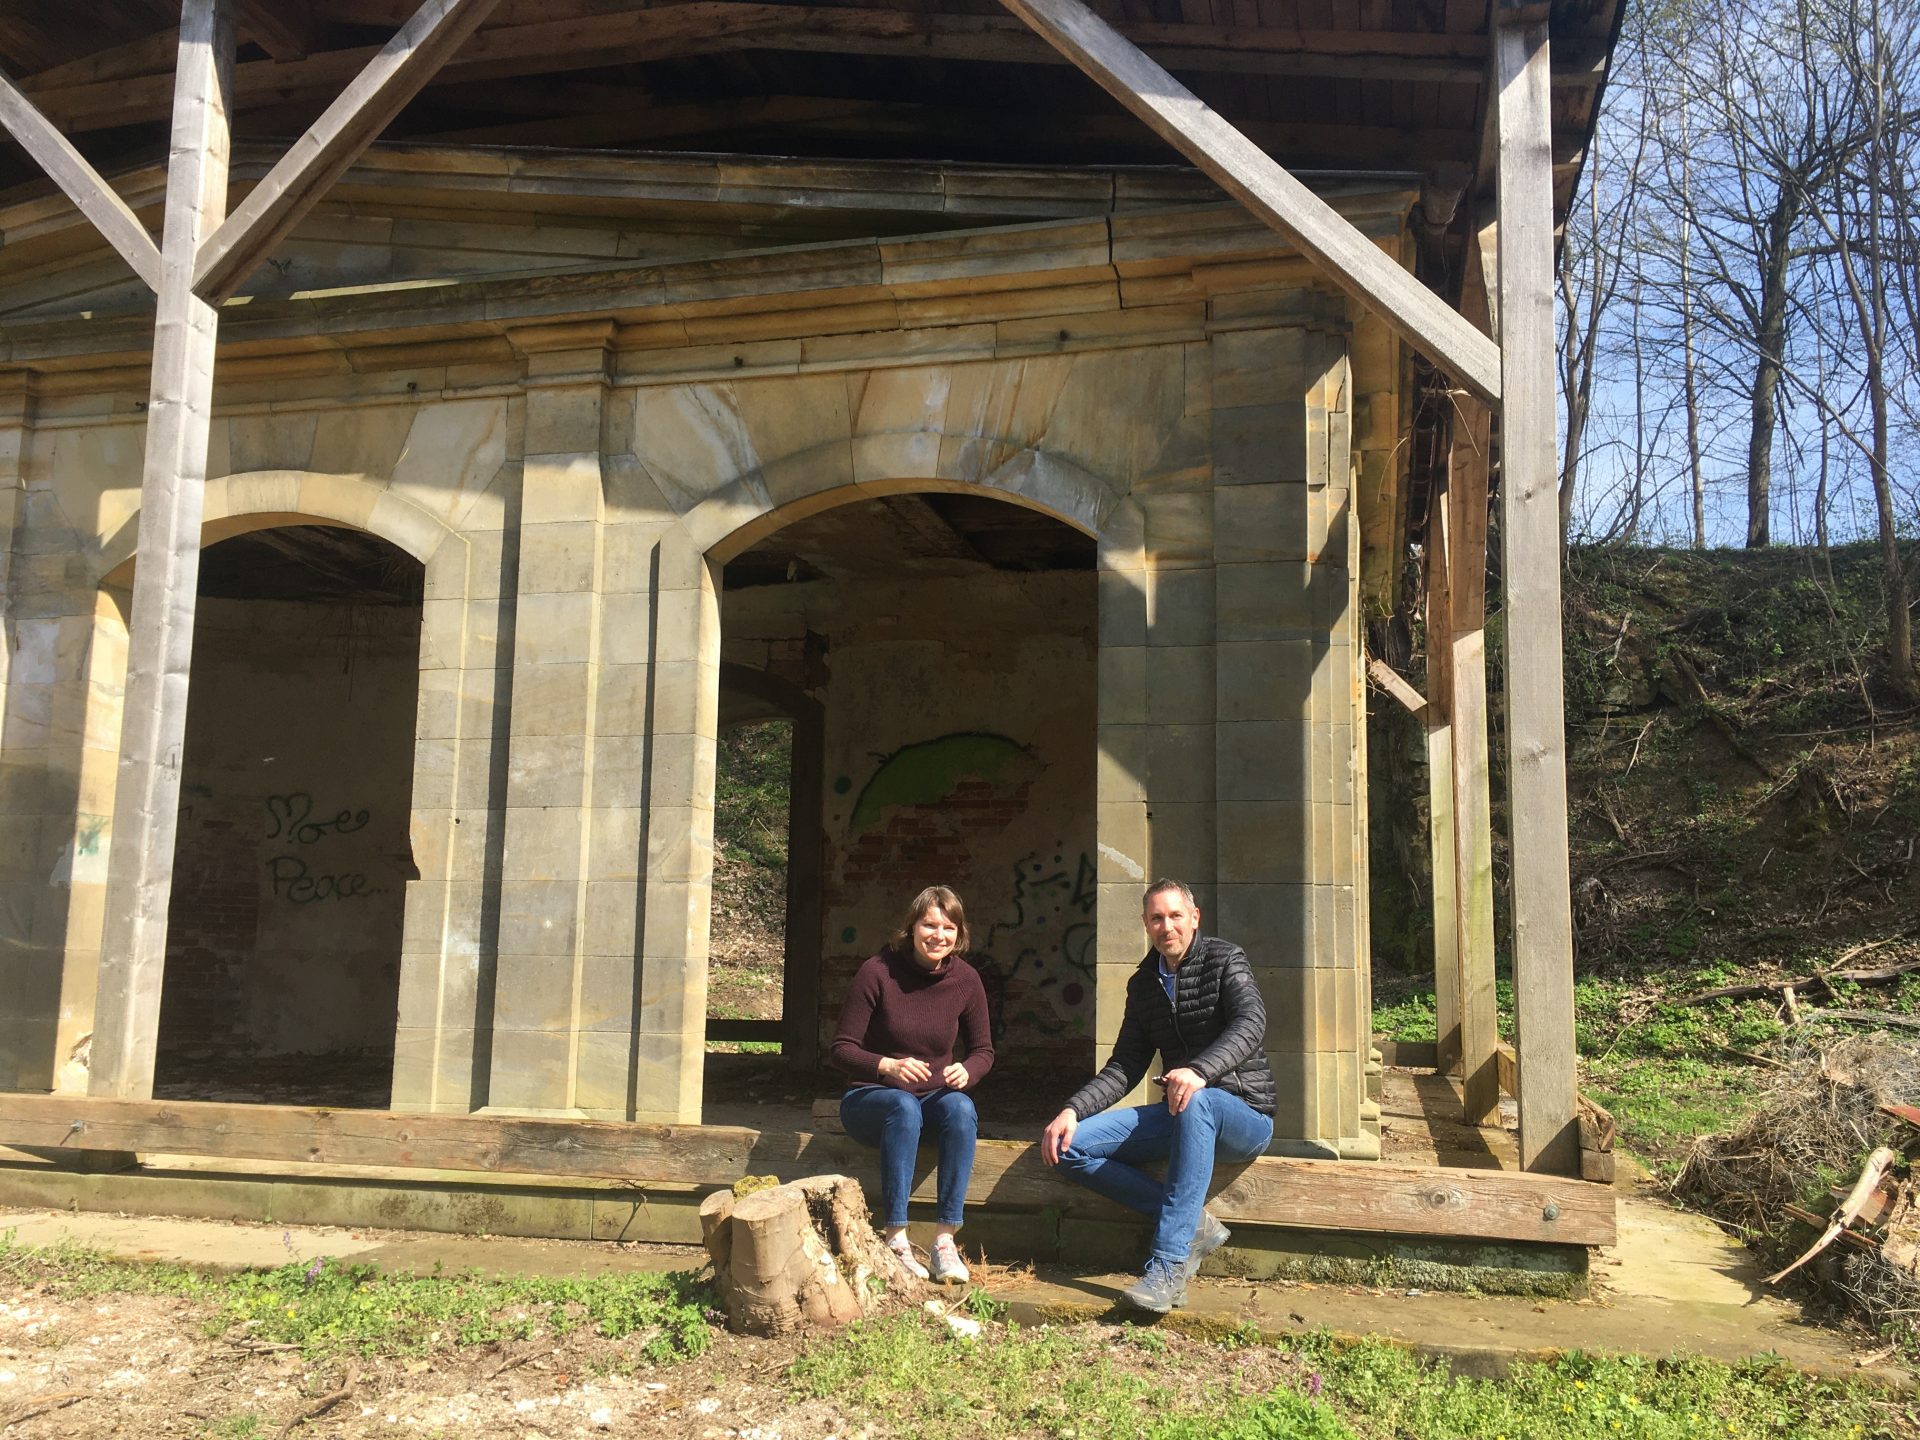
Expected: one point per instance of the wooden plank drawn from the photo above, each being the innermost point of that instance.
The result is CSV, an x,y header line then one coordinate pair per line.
x,y
594,37
743,1031
1441,819
282,28
699,1154
332,143
1300,1194
1391,681
82,184
1530,533
146,800
1466,522
1246,172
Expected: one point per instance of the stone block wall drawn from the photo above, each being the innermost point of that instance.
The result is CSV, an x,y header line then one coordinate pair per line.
x,y
573,488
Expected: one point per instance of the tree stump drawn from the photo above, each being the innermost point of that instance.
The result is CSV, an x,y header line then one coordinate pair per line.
x,y
799,1254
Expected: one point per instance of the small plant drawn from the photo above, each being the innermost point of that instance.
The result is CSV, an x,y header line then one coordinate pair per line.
x,y
983,1307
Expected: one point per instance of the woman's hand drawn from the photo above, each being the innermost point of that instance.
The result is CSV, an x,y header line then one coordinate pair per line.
x,y
956,1077
905,1070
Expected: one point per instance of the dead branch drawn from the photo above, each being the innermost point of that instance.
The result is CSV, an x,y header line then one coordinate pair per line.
x,y
41,1406
1878,1163
1686,688
321,1406
1806,984
1868,1017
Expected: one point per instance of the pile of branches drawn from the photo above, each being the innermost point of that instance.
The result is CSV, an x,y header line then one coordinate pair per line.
x,y
1818,1124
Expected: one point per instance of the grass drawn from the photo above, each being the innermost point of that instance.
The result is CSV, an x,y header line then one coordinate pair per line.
x,y
1078,1384
328,1308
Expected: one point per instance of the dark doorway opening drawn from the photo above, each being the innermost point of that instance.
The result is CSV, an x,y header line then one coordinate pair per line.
x,y
293,852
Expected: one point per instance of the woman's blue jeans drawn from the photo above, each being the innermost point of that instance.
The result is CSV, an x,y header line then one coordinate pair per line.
x,y
1108,1148
892,1121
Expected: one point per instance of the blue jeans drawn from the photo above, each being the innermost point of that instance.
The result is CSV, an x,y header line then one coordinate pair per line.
x,y
1107,1149
892,1122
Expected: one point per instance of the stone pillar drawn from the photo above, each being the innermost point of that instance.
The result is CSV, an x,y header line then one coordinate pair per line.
x,y
563,987
1287,663
681,730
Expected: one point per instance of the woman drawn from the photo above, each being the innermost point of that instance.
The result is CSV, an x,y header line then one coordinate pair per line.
x,y
896,1038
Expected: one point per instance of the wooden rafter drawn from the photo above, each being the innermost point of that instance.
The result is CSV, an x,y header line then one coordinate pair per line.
x,y
1246,172
595,37
333,142
81,183
282,28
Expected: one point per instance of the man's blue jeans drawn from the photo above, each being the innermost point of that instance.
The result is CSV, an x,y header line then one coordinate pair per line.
x,y
892,1121
1107,1149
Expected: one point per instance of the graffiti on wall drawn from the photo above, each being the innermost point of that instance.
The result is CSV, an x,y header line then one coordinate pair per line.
x,y
1042,944
928,771
290,819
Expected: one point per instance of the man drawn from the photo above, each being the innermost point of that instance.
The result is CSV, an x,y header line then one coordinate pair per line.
x,y
1194,1000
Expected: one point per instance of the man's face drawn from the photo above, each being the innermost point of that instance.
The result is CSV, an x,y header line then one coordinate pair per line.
x,y
1171,924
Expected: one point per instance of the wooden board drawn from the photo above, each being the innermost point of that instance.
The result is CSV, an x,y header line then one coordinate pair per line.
x,y
1246,172
1307,1194
1530,532
146,799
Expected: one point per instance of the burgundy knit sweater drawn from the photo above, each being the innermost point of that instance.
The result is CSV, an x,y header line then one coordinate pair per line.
x,y
898,1008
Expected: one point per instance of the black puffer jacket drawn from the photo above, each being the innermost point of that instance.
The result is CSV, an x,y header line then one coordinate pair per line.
x,y
1216,1026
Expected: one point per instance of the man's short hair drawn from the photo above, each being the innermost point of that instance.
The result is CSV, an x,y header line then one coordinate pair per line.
x,y
1162,887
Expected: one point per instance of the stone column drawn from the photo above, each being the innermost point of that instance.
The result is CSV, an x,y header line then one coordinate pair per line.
x,y
562,982
1286,663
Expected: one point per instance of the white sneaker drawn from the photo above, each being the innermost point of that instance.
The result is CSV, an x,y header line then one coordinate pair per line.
x,y
948,1267
903,1251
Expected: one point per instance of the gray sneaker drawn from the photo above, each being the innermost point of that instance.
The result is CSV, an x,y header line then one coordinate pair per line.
x,y
1208,1236
1159,1290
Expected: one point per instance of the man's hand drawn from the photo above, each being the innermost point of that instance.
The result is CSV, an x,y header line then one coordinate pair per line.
x,y
956,1077
1182,1085
1058,1136
905,1071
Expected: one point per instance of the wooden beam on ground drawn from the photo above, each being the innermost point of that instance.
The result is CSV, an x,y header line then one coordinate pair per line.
x,y
1323,236
146,802
1335,1195
1530,534
1391,681
333,142
1441,818
82,184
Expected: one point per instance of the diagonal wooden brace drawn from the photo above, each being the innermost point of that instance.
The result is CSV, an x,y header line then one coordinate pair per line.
x,y
1245,171
333,142
69,170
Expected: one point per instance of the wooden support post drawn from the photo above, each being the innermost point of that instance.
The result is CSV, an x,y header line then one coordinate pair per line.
x,y
1466,523
69,169
1446,945
333,142
147,796
1530,533
1245,171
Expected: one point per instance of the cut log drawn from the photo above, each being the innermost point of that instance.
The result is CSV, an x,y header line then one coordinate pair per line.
x,y
799,1254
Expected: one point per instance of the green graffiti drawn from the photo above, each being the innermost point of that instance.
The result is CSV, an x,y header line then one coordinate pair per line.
x,y
926,773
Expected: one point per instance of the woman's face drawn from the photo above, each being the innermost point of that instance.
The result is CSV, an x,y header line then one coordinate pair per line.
x,y
934,937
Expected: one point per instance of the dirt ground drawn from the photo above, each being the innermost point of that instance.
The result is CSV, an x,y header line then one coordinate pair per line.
x,y
145,1366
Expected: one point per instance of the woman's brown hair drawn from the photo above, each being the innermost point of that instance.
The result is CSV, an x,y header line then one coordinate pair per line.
x,y
934,897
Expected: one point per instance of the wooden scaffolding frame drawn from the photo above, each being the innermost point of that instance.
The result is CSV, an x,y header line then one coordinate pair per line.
x,y
1500,354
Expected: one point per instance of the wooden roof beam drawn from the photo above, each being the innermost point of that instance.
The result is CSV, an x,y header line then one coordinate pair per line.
x,y
600,39
81,182
1246,172
282,28
334,141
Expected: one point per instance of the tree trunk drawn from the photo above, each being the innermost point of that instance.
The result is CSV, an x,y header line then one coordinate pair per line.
x,y
1771,341
799,1254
